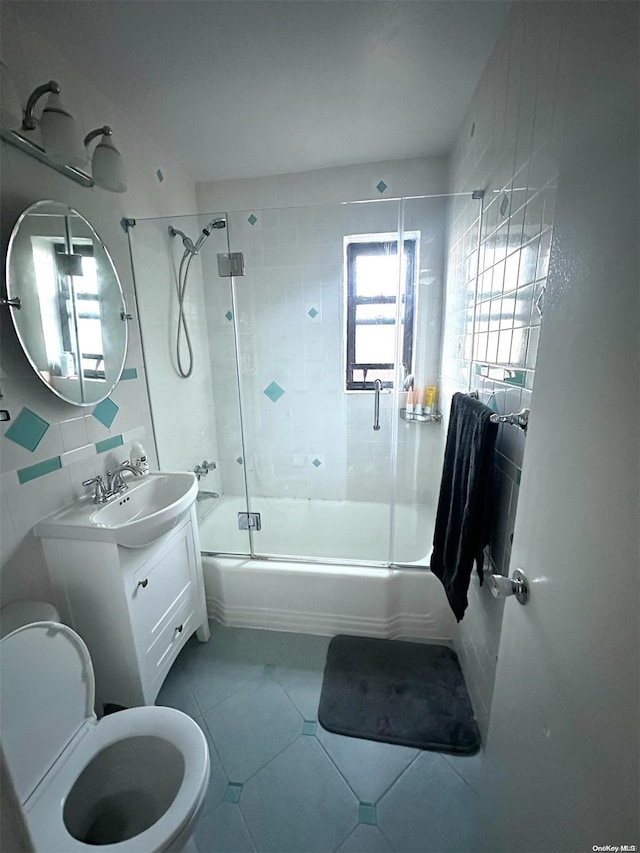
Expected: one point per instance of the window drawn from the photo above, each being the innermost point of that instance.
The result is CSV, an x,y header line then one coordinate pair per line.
x,y
372,284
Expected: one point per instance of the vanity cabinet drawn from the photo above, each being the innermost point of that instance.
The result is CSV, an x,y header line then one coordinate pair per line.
x,y
135,608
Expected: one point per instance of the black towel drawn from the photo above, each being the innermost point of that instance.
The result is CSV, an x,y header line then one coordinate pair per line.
x,y
462,519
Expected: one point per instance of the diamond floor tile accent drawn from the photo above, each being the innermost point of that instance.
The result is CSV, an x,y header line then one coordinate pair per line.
x,y
298,802
252,727
369,767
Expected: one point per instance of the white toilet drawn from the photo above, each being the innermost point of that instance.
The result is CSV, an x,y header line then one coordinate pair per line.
x,y
132,781
22,612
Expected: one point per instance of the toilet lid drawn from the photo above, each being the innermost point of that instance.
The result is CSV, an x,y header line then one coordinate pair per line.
x,y
47,694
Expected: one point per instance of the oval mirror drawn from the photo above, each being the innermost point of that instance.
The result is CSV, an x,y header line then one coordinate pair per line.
x,y
66,303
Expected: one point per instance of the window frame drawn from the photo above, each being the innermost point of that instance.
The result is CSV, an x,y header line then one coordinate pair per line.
x,y
363,245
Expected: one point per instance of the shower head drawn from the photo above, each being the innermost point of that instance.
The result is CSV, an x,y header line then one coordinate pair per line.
x,y
215,223
186,242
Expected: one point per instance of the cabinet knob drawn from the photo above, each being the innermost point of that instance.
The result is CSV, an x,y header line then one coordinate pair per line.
x,y
143,583
178,630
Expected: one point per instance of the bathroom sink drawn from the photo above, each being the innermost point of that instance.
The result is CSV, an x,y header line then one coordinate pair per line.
x,y
149,508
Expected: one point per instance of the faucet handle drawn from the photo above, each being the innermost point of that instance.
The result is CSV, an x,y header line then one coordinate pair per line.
x,y
100,493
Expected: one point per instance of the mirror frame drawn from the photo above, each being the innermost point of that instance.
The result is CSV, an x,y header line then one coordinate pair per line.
x,y
11,294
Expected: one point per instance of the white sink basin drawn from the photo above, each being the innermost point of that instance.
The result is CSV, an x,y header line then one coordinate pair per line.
x,y
149,508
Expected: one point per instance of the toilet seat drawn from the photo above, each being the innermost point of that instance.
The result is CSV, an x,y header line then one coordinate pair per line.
x,y
44,802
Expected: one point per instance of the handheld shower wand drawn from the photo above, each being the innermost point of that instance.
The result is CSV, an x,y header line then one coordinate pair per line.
x,y
191,249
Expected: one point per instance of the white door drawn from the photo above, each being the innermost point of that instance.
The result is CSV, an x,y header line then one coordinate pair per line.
x,y
561,760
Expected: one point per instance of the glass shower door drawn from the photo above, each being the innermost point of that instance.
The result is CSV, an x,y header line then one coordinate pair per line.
x,y
318,321
196,418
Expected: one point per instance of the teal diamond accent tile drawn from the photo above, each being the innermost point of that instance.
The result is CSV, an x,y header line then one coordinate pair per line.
x,y
269,669
312,313
309,727
492,403
239,460
518,475
504,205
108,443
27,430
381,186
229,316
367,814
233,792
317,463
274,392
252,219
129,373
105,412
39,470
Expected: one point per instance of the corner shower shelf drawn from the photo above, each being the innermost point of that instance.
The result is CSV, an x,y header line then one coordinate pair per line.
x,y
413,417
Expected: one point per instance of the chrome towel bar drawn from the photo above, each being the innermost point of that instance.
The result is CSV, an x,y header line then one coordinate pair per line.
x,y
520,419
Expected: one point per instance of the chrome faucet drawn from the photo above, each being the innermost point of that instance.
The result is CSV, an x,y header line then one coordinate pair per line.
x,y
115,480
203,496
100,494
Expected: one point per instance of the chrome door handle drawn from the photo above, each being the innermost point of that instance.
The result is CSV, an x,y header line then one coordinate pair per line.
x,y
377,385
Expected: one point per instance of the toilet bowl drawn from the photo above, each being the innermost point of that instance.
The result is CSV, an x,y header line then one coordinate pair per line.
x,y
132,782
22,612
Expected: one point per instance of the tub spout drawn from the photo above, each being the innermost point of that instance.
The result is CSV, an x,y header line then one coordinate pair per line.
x,y
203,496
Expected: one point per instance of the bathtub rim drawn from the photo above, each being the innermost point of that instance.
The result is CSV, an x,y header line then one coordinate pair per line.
x,y
417,565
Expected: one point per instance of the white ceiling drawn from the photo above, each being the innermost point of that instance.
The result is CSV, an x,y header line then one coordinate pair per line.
x,y
244,88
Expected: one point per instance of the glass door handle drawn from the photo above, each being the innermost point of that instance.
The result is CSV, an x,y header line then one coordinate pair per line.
x,y
376,404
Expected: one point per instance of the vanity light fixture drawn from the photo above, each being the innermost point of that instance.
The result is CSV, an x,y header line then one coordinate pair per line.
x,y
62,147
107,166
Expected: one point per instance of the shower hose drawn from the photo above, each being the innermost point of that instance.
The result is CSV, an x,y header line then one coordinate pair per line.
x,y
183,275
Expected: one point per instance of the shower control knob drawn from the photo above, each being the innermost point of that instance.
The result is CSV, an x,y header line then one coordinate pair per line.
x,y
502,587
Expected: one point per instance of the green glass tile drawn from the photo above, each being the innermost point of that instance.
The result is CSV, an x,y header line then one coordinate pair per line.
x,y
108,443
39,469
518,475
492,403
309,727
312,313
229,316
129,373
504,205
233,792
317,463
105,412
239,460
516,377
367,814
273,391
27,430
252,219
381,186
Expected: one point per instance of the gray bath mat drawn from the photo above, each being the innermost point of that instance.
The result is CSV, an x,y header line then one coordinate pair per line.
x,y
411,694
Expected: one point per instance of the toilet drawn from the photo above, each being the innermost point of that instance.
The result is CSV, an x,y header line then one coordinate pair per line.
x,y
22,612
132,782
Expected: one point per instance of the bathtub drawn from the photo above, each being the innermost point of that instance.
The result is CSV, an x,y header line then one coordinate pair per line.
x,y
316,593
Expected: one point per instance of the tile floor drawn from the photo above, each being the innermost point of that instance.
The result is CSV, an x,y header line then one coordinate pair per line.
x,y
281,783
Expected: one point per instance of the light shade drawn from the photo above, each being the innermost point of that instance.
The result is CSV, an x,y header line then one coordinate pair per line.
x,y
10,106
60,136
107,166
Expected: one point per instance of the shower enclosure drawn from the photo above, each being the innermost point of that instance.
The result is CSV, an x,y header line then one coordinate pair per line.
x,y
307,326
